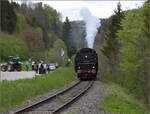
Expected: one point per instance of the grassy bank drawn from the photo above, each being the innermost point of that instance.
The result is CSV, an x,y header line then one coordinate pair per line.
x,y
121,101
15,92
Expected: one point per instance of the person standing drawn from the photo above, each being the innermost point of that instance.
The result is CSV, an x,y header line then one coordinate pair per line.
x,y
56,65
27,66
33,65
44,68
36,67
39,67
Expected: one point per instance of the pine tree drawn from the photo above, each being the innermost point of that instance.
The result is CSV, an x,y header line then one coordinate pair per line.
x,y
66,37
66,31
8,17
111,46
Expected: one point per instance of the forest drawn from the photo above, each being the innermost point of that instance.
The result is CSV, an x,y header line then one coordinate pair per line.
x,y
125,51
122,42
34,31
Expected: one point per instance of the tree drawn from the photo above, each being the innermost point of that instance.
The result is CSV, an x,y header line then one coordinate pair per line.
x,y
33,39
66,37
54,54
46,18
135,52
8,17
111,45
10,45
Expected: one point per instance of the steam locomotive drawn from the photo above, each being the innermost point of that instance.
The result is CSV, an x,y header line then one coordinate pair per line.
x,y
86,64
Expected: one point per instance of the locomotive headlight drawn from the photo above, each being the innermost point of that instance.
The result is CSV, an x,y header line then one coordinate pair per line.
x,y
85,56
93,66
79,67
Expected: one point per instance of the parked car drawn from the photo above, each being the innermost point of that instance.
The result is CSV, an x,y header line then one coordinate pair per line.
x,y
52,66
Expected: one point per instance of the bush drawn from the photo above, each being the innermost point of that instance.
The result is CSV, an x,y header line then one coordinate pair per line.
x,y
54,55
11,46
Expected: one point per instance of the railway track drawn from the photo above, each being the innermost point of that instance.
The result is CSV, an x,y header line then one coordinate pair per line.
x,y
55,103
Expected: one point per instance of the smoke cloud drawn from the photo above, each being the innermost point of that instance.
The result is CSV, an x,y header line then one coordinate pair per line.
x,y
92,25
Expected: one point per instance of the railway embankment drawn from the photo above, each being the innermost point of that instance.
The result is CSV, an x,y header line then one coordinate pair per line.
x,y
121,101
13,93
102,98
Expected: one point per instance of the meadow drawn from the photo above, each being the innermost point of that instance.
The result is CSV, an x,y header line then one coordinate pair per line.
x,y
16,92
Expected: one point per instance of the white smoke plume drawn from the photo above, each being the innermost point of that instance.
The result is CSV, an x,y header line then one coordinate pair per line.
x,y
92,25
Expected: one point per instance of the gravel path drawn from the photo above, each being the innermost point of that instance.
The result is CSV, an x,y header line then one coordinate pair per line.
x,y
89,103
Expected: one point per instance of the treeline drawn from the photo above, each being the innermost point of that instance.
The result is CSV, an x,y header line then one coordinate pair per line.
x,y
37,29
125,54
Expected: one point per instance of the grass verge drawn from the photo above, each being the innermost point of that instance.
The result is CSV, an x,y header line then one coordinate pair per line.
x,y
13,93
121,101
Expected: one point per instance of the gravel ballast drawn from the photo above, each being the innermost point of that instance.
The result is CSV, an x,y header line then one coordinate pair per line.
x,y
89,103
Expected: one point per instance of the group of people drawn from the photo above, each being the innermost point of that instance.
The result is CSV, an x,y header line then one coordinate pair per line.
x,y
39,67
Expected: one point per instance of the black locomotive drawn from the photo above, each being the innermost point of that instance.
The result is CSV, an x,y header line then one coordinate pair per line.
x,y
86,64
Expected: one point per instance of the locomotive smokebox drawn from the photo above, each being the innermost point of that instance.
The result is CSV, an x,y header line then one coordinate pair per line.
x,y
86,63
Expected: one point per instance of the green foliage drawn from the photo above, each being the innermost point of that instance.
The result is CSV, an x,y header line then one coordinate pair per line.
x,y
111,46
66,37
103,29
134,51
51,39
21,23
25,89
47,19
121,102
54,54
10,45
8,17
24,66
33,39
18,27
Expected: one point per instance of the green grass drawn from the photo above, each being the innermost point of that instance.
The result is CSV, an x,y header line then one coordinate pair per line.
x,y
14,93
121,101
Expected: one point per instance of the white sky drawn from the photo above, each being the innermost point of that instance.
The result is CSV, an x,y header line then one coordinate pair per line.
x,y
100,9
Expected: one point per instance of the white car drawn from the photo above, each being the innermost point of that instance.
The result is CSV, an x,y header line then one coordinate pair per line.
x,y
52,66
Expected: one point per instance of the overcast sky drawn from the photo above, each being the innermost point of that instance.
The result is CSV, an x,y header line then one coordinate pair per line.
x,y
100,9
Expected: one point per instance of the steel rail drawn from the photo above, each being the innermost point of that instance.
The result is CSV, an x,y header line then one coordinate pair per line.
x,y
43,100
73,99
